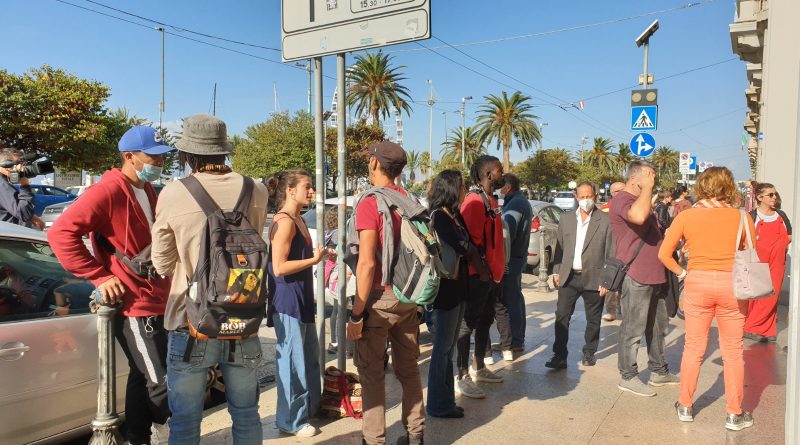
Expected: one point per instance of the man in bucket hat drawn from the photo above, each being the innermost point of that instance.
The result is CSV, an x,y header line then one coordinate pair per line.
x,y
118,212
177,232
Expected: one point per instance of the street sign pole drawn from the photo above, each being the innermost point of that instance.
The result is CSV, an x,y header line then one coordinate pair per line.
x,y
319,143
341,287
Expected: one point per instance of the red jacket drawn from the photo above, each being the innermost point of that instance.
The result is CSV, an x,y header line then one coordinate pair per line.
x,y
485,232
109,208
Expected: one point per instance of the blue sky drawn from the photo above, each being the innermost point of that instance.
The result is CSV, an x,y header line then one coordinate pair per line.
x,y
700,112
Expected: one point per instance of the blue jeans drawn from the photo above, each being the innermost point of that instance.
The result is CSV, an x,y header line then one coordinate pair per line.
x,y
515,301
299,387
186,386
441,391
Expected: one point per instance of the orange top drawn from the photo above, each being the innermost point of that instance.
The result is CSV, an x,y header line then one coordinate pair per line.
x,y
709,235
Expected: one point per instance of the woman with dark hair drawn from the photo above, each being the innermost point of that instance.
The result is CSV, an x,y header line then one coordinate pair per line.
x,y
291,304
774,233
680,200
710,231
445,196
662,209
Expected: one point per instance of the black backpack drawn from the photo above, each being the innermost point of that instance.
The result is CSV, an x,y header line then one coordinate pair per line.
x,y
227,296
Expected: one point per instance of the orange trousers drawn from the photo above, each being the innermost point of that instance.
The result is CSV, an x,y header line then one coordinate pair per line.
x,y
708,295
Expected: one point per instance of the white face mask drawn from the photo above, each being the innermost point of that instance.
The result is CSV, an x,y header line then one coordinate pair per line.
x,y
586,205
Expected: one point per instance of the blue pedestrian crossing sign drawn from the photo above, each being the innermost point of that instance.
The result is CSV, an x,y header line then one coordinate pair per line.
x,y
644,118
642,144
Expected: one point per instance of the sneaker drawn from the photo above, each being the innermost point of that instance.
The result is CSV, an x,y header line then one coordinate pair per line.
x,y
557,362
588,359
496,347
685,413
754,337
770,339
508,356
484,375
488,360
307,430
466,388
739,422
333,348
666,379
609,317
408,439
635,386
159,434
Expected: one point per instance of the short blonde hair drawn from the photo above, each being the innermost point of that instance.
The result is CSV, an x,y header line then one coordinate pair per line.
x,y
717,182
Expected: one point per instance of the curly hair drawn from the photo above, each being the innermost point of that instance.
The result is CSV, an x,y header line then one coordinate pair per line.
x,y
717,182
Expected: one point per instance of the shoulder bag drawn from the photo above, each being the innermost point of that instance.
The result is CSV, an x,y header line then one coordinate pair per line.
x,y
751,278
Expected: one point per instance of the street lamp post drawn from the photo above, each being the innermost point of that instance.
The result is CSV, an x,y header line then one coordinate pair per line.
x,y
644,40
463,130
431,101
307,66
163,68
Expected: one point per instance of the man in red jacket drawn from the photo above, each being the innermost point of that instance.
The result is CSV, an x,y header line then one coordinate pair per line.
x,y
118,213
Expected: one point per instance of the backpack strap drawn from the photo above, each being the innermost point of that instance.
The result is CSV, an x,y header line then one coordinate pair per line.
x,y
243,204
200,195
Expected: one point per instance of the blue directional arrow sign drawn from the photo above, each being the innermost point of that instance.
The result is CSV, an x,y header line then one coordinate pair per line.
x,y
644,118
642,144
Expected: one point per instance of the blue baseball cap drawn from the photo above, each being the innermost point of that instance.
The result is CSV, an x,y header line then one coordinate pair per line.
x,y
145,139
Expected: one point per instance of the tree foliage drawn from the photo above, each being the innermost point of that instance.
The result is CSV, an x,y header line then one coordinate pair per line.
x,y
52,112
506,119
547,170
281,142
374,87
451,148
357,139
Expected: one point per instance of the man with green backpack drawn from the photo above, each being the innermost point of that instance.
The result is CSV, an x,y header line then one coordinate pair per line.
x,y
389,285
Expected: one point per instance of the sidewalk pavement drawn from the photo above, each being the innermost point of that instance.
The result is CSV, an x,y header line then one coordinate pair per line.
x,y
580,405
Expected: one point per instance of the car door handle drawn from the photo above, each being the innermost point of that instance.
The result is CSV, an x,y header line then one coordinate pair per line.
x,y
10,352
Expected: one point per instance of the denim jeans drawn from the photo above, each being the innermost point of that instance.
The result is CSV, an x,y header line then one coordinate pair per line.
x,y
186,386
441,391
515,301
298,375
644,313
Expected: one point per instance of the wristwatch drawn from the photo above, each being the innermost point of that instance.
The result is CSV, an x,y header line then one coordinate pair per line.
x,y
356,318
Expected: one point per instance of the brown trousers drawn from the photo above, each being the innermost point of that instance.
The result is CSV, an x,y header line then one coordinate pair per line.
x,y
388,318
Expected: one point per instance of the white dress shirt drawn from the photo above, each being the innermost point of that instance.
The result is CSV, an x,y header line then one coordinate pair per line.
x,y
580,238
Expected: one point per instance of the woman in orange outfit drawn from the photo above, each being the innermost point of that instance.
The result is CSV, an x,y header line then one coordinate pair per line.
x,y
774,233
709,232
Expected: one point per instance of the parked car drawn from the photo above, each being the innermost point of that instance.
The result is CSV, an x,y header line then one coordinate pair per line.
x,y
45,195
565,200
77,190
310,217
544,224
48,362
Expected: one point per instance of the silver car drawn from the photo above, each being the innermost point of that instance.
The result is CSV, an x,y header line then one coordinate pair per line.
x,y
545,224
565,201
48,360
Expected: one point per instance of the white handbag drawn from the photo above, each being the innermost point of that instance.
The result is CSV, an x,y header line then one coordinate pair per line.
x,y
751,277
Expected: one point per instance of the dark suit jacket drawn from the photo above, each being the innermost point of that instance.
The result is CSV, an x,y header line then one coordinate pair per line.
x,y
597,246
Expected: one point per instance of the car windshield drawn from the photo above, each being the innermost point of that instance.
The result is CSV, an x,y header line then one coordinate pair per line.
x,y
32,282
564,195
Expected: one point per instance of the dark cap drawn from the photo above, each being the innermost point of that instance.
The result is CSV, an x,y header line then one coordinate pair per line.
x,y
389,154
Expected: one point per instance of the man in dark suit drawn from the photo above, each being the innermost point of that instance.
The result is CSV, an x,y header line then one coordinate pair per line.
x,y
584,242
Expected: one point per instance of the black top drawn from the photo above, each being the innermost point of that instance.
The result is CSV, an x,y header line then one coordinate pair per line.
x,y
454,233
16,206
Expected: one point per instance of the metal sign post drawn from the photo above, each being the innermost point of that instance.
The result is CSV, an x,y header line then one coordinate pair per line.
x,y
319,143
105,425
341,188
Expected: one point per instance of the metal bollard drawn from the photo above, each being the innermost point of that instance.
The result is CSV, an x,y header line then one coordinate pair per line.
x,y
542,283
105,425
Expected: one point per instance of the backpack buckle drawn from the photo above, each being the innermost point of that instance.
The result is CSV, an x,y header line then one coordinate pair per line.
x,y
242,260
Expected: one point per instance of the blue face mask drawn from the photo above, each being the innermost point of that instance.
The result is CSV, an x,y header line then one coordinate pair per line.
x,y
149,173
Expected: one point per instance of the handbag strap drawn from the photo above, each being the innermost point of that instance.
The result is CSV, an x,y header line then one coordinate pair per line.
x,y
744,228
635,252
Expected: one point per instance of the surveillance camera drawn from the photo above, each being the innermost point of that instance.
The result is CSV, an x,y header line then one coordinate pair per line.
x,y
645,36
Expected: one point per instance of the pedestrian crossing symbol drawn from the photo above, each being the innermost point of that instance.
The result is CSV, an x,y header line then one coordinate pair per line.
x,y
644,118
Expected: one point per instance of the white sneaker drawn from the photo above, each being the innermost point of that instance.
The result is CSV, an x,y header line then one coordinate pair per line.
x,y
159,434
466,388
484,375
488,360
307,430
508,356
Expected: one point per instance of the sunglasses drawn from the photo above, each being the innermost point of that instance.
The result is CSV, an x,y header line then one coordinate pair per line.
x,y
771,195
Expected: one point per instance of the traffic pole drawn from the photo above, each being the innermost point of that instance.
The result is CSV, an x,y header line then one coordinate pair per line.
x,y
319,142
341,187
105,426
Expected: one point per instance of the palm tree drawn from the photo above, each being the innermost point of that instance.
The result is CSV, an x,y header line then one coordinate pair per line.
x,y
412,164
507,118
425,163
601,156
451,148
666,161
374,87
623,158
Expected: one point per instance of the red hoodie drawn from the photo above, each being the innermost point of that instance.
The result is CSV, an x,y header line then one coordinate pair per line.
x,y
109,208
484,228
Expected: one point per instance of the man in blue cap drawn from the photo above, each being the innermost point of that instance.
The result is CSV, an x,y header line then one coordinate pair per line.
x,y
118,213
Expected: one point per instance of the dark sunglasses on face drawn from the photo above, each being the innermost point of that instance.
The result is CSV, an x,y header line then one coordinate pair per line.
x,y
771,195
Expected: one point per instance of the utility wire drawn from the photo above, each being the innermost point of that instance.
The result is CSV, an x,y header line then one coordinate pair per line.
x,y
179,29
560,30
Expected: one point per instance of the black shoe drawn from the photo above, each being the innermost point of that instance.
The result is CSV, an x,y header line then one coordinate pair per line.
x,y
332,349
452,414
754,337
771,339
460,408
410,440
557,363
588,359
